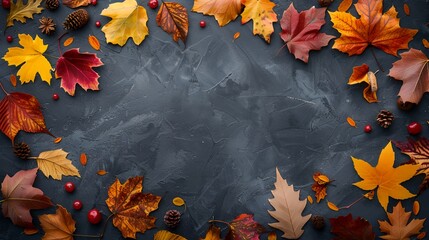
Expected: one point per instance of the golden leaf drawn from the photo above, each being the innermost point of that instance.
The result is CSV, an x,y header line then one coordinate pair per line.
x,y
166,235
178,201
416,207
288,209
351,122
83,159
20,11
345,5
173,19
384,177
93,42
58,226
55,164
320,185
212,234
332,206
263,16
101,172
131,207
128,21
223,10
68,41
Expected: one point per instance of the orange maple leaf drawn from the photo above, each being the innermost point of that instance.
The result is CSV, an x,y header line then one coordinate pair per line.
x,y
130,207
224,11
372,28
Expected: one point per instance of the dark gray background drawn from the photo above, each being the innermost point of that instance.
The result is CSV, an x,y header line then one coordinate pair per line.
x,y
209,122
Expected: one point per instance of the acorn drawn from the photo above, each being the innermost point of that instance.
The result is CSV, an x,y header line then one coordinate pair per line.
x,y
76,19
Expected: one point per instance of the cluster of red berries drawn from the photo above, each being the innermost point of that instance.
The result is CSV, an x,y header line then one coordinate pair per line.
x,y
94,215
414,128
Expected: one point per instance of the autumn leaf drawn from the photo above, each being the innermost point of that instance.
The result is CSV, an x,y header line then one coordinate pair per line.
x,y
263,16
236,36
20,11
128,21
224,11
413,70
346,228
101,172
68,41
173,18
372,28
384,177
75,67
351,122
345,5
425,43
131,207
418,151
360,75
416,207
406,9
167,235
213,233
399,228
55,164
178,201
58,226
31,57
288,209
300,31
76,3
21,111
244,227
320,185
12,80
83,159
19,197
93,42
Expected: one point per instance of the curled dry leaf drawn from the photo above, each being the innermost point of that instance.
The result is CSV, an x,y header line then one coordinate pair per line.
x,y
360,75
178,201
167,235
76,3
173,18
346,228
93,42
58,226
351,122
345,5
213,233
12,80
83,159
68,41
320,185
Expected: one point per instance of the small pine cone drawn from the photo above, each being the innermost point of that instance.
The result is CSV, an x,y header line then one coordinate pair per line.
x,y
52,4
21,150
172,218
318,222
385,118
76,19
325,3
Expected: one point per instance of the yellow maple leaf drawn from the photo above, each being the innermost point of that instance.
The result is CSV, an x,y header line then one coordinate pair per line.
x,y
20,11
224,11
384,176
128,21
263,16
31,57
55,164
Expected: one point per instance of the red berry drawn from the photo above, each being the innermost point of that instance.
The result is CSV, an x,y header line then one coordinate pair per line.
x,y
77,205
94,2
153,4
98,24
203,24
94,216
69,187
9,38
367,128
5,4
414,128
55,97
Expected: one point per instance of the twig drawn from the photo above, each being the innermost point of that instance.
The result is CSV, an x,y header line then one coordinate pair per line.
x,y
376,60
4,90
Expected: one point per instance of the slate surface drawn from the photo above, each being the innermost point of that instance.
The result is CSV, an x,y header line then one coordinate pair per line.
x,y
210,122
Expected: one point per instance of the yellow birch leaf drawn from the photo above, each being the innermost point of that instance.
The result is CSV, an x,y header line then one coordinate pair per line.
x,y
55,164
263,16
178,201
68,41
128,21
332,206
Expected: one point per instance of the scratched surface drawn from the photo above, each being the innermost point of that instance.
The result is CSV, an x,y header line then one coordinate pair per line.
x,y
209,122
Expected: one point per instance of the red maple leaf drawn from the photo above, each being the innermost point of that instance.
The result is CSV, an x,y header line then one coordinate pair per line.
x,y
76,68
347,228
244,227
301,31
19,196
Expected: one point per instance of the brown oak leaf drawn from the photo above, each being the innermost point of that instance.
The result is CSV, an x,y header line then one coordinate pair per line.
x,y
346,228
130,207
173,18
58,226
244,227
19,197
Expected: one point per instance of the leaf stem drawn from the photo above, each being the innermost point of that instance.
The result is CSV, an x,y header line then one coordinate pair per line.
x,y
105,225
376,60
220,221
59,42
351,204
4,90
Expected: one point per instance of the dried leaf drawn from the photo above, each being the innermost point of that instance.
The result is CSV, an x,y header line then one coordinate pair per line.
x,y
101,172
128,21
31,57
320,185
345,5
351,122
301,31
173,18
131,207
421,235
369,195
236,35
58,226
83,159
321,179
178,201
58,140
244,227
30,231
213,233
406,9
263,16
74,67
360,75
288,209
384,177
416,207
166,235
332,206
372,28
68,41
76,3
223,10
93,42
272,236
55,164
19,197
425,43
12,80
310,199
20,11
347,228
399,228
413,70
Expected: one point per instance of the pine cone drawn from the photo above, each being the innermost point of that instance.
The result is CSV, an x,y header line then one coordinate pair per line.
x,y
172,218
52,4
385,118
21,150
325,3
76,19
47,25
318,222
